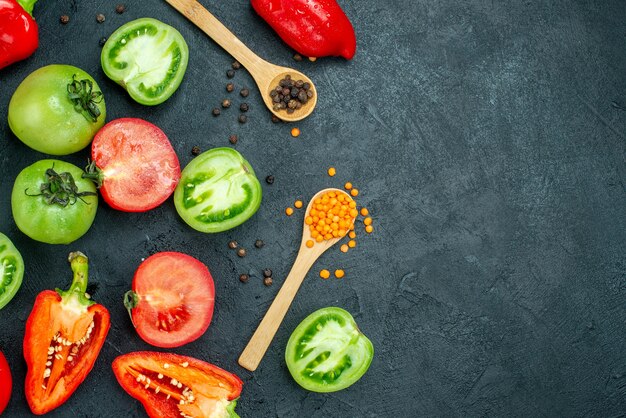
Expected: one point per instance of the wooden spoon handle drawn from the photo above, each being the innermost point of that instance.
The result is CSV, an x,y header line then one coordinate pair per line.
x,y
210,25
262,338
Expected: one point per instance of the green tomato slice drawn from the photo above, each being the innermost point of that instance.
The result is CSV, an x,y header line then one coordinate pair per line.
x,y
218,191
327,352
146,57
11,270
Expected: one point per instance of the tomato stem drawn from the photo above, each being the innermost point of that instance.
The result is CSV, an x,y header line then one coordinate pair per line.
x,y
80,268
93,173
131,299
85,100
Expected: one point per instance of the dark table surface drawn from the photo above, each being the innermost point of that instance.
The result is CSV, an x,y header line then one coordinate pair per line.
x,y
488,141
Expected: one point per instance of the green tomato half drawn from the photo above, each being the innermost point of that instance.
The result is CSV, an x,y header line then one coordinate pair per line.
x,y
45,211
327,352
146,57
44,116
218,190
11,270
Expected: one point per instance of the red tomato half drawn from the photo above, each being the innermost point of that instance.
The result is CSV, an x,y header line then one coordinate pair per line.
x,y
138,168
6,383
172,299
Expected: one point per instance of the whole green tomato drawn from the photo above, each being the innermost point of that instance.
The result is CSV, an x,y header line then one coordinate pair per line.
x,y
52,203
57,110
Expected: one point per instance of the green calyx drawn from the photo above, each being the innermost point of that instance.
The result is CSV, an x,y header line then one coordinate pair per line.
x,y
27,5
131,299
77,293
60,189
85,100
93,173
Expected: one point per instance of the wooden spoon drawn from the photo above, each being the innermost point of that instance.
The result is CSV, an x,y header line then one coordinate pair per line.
x,y
260,341
265,74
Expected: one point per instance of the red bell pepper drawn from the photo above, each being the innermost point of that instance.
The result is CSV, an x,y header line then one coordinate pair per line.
x,y
314,28
6,383
64,334
19,34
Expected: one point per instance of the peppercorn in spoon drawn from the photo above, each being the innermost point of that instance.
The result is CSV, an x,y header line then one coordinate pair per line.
x,y
338,208
288,94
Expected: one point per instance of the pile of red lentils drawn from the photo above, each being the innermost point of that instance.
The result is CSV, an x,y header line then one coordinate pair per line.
x,y
332,216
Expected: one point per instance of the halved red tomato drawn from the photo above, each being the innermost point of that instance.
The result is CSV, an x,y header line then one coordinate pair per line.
x,y
134,165
6,383
170,385
172,299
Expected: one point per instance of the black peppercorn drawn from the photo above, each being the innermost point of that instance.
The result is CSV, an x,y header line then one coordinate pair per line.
x,y
259,243
243,278
216,111
102,41
100,18
275,119
65,19
244,92
241,252
120,8
233,139
297,57
244,107
236,65
225,103
269,179
230,73
267,273
243,119
230,87
195,150
267,281
232,244
302,96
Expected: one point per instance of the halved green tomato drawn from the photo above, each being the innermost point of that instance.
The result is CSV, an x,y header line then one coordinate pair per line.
x,y
327,352
146,57
11,270
218,191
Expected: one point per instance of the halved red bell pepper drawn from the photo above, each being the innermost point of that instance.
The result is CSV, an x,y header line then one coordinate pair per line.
x,y
19,34
171,385
314,28
64,334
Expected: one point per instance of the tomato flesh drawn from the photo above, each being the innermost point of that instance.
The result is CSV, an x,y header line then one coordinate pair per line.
x,y
174,298
6,383
327,352
146,57
11,270
140,169
170,385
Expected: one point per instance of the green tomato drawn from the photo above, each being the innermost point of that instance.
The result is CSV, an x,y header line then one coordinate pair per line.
x,y
57,110
327,352
146,57
52,203
11,270
218,190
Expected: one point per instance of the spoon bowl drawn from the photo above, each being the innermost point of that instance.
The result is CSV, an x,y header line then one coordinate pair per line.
x,y
262,337
265,74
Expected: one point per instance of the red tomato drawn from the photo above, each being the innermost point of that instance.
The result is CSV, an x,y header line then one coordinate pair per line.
x,y
171,303
6,383
171,385
137,167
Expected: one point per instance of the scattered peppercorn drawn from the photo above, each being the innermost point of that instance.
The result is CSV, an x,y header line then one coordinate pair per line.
x,y
289,211
324,274
236,65
195,150
102,41
225,103
290,95
230,73
244,107
259,243
295,132
267,273
269,179
216,111
332,172
297,57
120,8
100,18
233,139
267,281
242,119
65,19
339,273
275,119
243,278
232,244
241,252
244,92
230,87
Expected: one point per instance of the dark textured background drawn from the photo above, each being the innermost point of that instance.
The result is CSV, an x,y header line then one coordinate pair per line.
x,y
487,140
